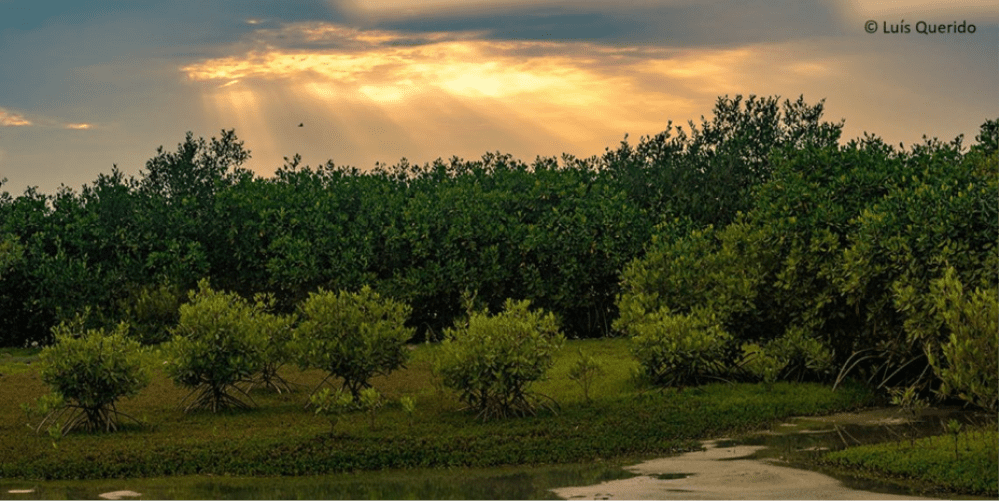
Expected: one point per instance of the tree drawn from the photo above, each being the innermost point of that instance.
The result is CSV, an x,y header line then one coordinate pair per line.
x,y
710,175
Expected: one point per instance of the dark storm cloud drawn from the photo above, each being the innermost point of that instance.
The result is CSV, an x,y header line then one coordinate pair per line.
x,y
712,23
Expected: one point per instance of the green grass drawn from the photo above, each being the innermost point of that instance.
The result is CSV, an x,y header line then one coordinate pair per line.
x,y
279,437
18,360
932,461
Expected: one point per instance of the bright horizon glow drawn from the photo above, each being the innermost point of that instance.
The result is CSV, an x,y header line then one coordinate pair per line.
x,y
579,95
85,88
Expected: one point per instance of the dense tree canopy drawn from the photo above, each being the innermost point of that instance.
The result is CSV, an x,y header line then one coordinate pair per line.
x,y
836,265
758,229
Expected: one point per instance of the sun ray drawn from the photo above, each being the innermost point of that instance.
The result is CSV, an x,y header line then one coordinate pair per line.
x,y
362,90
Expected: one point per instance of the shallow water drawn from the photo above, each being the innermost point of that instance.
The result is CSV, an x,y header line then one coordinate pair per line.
x,y
457,483
765,457
798,442
778,463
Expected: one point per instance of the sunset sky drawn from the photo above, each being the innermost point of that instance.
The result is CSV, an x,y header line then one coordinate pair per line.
x,y
85,85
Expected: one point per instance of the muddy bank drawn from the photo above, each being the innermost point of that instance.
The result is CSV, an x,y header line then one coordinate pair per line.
x,y
758,466
721,472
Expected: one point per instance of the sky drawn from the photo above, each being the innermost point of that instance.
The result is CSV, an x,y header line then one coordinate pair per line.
x,y
88,85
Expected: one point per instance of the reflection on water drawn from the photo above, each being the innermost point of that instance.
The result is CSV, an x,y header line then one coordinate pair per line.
x,y
457,483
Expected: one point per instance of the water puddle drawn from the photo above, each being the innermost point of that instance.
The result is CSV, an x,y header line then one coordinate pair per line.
x,y
777,463
526,482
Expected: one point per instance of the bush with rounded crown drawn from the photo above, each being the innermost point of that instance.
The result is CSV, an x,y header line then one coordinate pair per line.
x,y
353,336
219,343
88,371
678,349
493,360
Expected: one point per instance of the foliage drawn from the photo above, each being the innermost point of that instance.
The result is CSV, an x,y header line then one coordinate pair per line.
x,y
761,364
834,261
681,349
802,355
967,365
370,401
492,361
687,268
409,405
153,311
940,213
584,371
11,252
332,405
279,331
353,336
557,231
219,343
88,371
281,439
932,460
710,175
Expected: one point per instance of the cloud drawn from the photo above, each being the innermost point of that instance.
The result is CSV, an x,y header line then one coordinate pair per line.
x,y
383,94
670,23
12,119
915,9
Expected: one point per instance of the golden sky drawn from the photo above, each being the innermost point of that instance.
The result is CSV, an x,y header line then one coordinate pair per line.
x,y
377,81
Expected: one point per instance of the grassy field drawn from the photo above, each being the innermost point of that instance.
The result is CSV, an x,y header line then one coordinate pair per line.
x,y
280,437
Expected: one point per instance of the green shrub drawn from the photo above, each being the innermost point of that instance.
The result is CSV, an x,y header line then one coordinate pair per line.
x,y
278,330
370,401
332,405
409,405
681,349
762,364
353,336
805,356
219,342
967,364
88,371
584,371
152,311
492,361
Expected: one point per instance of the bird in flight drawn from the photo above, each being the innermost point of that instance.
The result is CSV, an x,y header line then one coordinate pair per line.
x,y
300,124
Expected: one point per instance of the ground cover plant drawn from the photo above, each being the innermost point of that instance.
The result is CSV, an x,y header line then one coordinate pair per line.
x,y
965,461
279,437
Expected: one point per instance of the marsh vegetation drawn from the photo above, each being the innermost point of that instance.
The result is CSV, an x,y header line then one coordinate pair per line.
x,y
750,267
